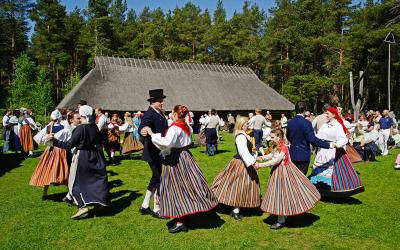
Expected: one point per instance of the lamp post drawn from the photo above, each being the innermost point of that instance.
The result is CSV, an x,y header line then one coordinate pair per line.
x,y
390,40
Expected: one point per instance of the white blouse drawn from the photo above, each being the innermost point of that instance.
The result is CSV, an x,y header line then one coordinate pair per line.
x,y
127,128
333,132
175,138
241,144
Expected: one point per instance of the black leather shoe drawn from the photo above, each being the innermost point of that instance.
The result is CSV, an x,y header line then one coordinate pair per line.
x,y
144,211
276,226
236,216
157,215
178,228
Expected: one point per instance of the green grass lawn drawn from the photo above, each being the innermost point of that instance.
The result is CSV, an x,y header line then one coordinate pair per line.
x,y
370,220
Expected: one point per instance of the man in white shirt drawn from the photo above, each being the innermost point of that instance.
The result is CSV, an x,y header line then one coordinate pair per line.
x,y
6,131
320,119
257,122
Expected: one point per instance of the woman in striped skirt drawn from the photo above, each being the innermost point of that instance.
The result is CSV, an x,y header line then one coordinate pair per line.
x,y
130,144
238,184
25,132
333,173
183,189
289,191
53,166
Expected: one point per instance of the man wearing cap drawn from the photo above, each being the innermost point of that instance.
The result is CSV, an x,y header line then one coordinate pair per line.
x,y
155,119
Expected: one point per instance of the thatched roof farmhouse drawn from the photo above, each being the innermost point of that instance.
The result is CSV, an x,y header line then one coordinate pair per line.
x,y
122,84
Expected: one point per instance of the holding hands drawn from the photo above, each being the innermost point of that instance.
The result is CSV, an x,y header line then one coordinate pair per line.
x,y
146,131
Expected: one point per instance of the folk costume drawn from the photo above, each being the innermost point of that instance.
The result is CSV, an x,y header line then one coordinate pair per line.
x,y
112,144
183,190
130,144
90,184
53,166
238,184
289,191
333,172
156,121
28,125
300,134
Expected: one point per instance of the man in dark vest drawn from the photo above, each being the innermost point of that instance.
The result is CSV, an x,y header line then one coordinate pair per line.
x,y
155,119
300,134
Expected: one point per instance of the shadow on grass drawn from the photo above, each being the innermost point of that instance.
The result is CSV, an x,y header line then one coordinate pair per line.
x,y
10,161
56,197
115,183
116,205
302,220
220,151
207,220
346,200
246,212
111,173
132,156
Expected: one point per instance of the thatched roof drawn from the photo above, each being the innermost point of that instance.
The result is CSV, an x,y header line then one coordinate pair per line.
x,y
122,84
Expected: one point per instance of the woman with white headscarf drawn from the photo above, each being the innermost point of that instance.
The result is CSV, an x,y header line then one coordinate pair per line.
x,y
90,185
53,167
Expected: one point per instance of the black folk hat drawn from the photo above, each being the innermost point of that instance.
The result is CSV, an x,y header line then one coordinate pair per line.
x,y
156,93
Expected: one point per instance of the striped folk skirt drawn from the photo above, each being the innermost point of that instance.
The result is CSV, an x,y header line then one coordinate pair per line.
x,y
183,189
289,192
344,176
52,168
26,138
339,179
131,144
237,185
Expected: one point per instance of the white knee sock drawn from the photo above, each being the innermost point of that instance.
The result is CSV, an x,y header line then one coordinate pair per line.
x,y
112,154
236,210
156,208
147,198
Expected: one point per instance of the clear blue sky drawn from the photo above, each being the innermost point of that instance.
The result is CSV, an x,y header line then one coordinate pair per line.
x,y
138,5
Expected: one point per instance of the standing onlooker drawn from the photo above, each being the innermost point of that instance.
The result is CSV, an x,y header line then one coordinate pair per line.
x,y
211,133
320,119
231,123
136,121
284,122
385,124
6,131
257,123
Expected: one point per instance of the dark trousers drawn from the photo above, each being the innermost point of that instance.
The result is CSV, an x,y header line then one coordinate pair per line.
x,y
302,165
258,133
155,180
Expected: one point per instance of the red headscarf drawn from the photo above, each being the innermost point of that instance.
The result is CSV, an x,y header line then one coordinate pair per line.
x,y
338,118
